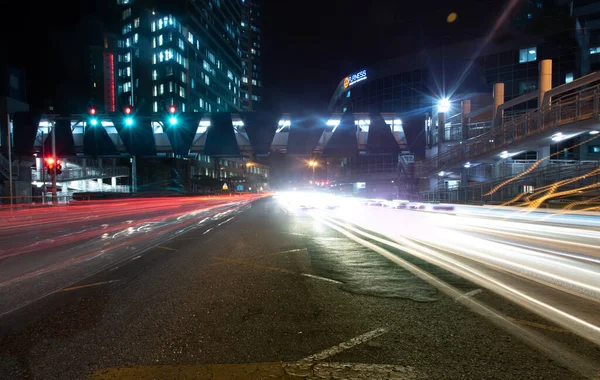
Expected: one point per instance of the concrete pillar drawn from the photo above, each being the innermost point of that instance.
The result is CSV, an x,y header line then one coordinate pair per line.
x,y
100,183
498,101
440,133
543,152
545,79
113,182
466,108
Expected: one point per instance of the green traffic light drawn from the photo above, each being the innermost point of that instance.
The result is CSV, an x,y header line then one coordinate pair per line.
x,y
173,120
129,121
94,122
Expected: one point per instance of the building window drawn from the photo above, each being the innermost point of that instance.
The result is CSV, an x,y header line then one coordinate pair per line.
x,y
135,38
207,80
244,80
154,26
528,55
155,92
568,77
254,82
136,23
162,88
183,78
168,70
155,106
154,74
126,13
126,28
594,148
229,75
160,40
211,56
595,50
182,92
348,94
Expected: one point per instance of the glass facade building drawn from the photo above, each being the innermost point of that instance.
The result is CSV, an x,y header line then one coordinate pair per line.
x,y
251,55
180,52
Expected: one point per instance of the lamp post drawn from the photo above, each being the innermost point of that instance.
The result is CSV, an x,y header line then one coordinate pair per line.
x,y
313,164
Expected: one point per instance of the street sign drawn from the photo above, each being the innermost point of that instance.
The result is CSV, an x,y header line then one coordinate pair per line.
x,y
225,187
239,188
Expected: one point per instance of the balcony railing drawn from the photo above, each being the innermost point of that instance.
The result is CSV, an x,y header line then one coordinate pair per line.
x,y
567,109
82,174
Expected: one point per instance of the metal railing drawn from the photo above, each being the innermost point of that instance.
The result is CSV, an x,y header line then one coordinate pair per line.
x,y
82,174
502,189
564,110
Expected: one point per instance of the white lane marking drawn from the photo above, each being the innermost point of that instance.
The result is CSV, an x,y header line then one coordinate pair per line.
x,y
225,221
469,294
320,278
207,231
345,346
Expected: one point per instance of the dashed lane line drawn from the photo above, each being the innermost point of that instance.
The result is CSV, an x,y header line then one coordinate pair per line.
x,y
322,355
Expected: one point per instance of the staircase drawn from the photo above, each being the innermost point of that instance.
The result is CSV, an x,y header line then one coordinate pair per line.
x,y
4,169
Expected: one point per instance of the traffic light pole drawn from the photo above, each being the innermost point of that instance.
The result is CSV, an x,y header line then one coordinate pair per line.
x,y
53,173
10,174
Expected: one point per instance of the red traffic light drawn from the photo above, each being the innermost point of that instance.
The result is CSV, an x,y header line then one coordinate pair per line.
x,y
172,109
92,111
49,161
128,110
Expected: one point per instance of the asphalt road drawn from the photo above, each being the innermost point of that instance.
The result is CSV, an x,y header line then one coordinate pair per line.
x,y
253,290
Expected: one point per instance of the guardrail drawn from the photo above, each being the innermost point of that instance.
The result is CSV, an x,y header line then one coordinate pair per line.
x,y
567,109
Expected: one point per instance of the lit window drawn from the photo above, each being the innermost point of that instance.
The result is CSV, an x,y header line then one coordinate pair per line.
x,y
154,74
348,94
153,42
181,92
201,102
254,82
181,45
155,91
160,40
170,86
126,13
154,58
244,80
126,28
229,75
528,55
211,56
155,107
154,26
135,38
207,80
190,37
595,50
136,23
162,88
94,84
568,77
183,78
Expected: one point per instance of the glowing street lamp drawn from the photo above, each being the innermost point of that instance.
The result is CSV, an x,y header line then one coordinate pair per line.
x,y
313,164
444,105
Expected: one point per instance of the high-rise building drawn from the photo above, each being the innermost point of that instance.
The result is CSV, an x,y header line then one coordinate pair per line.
x,y
251,61
185,53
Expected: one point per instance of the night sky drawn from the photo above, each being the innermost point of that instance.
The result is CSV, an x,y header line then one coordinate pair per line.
x,y
307,46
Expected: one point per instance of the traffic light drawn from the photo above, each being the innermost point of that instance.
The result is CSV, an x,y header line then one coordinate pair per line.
x,y
172,115
128,110
58,167
49,163
93,120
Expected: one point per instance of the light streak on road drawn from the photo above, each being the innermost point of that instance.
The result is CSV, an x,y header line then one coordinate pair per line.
x,y
544,261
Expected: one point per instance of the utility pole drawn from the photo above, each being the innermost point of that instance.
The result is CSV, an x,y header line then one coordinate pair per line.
x,y
43,170
53,174
10,174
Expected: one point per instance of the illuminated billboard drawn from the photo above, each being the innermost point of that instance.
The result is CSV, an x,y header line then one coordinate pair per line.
x,y
355,78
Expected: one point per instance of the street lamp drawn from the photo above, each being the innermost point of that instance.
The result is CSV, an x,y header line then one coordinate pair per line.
x,y
444,105
313,164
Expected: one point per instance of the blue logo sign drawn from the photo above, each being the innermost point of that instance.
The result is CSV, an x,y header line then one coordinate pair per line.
x,y
355,78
